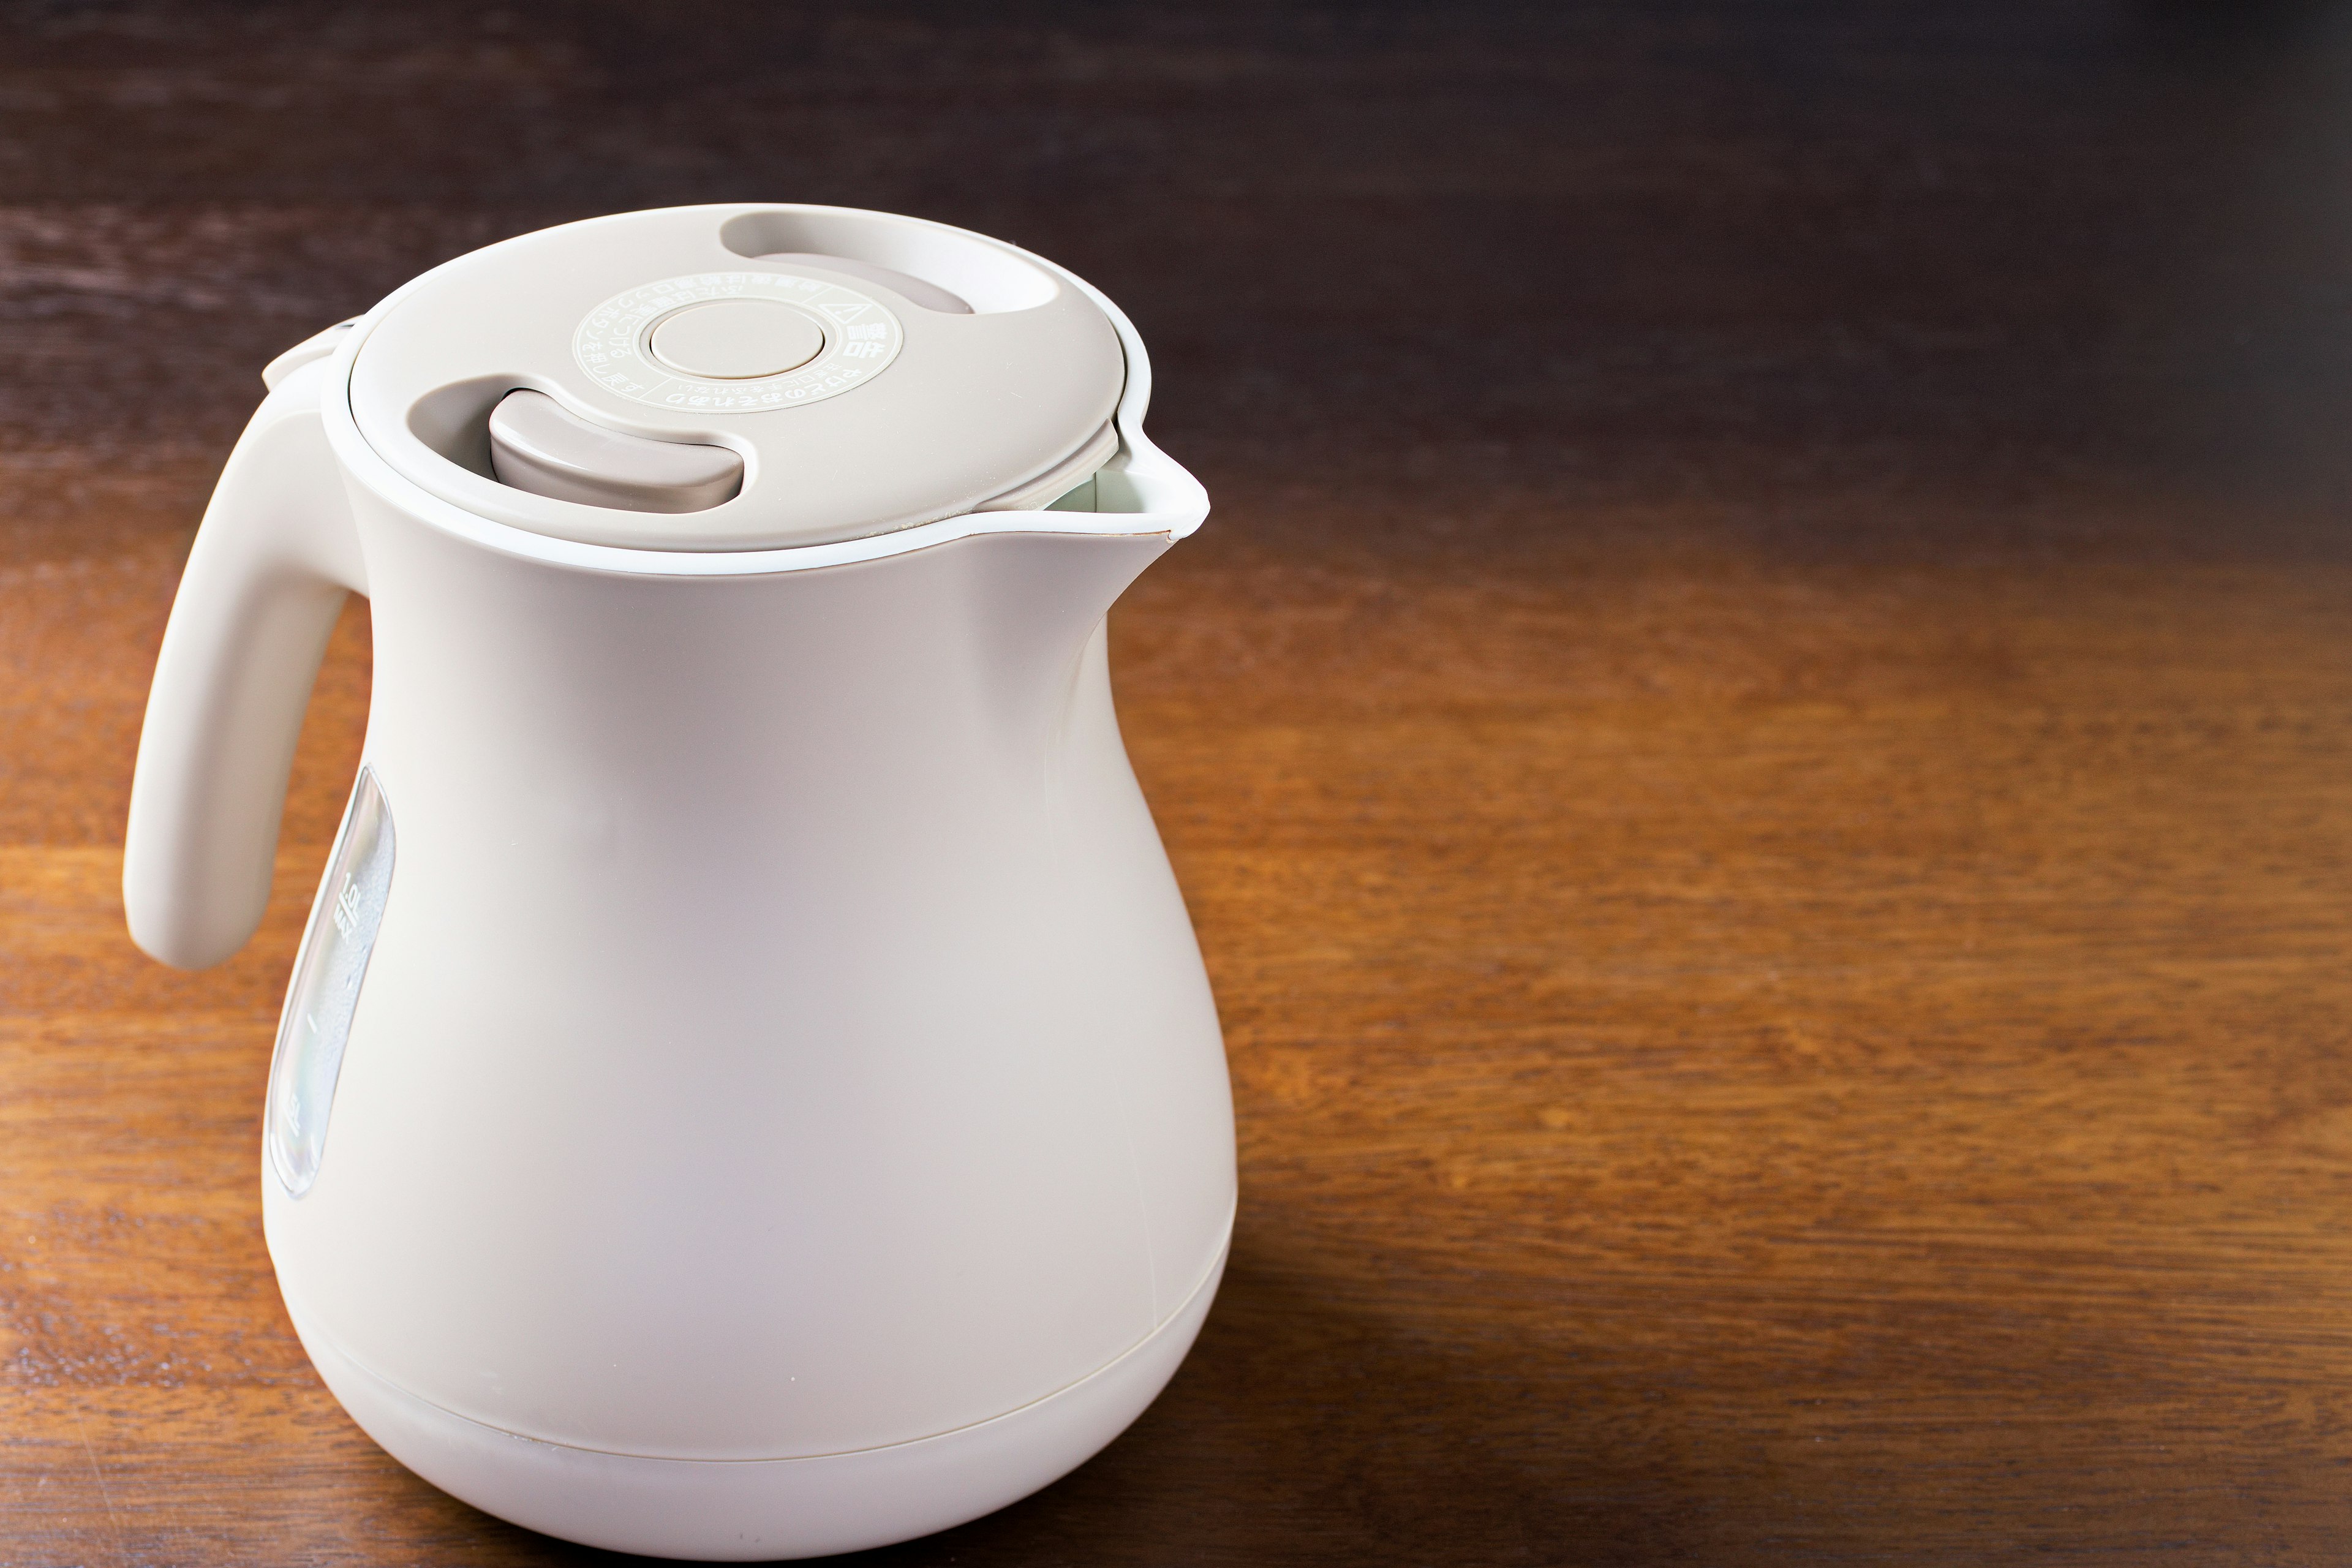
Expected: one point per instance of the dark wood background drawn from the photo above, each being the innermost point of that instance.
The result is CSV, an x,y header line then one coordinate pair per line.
x,y
1761,740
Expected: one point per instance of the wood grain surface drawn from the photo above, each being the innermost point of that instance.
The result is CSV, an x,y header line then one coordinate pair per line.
x,y
1760,741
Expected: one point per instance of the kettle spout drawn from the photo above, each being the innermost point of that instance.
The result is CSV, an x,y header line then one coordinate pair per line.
x,y
1037,600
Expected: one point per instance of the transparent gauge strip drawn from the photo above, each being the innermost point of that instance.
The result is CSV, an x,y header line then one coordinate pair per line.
x,y
325,990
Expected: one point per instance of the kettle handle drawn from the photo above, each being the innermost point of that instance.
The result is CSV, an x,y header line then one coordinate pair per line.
x,y
265,578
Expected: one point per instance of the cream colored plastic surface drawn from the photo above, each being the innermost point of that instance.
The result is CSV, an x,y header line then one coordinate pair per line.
x,y
783,1046
907,413
778,1508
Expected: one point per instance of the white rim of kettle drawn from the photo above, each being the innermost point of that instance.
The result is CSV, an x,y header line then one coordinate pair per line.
x,y
1168,500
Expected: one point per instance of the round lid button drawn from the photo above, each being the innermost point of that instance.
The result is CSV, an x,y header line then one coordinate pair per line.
x,y
737,340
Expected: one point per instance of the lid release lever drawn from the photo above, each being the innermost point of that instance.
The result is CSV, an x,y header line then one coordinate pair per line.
x,y
539,446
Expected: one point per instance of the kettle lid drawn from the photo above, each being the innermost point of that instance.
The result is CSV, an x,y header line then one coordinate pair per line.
x,y
741,377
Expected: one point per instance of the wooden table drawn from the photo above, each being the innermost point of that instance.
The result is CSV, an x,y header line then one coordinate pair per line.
x,y
1760,741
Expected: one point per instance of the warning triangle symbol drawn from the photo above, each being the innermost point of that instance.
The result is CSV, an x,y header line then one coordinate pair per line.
x,y
845,313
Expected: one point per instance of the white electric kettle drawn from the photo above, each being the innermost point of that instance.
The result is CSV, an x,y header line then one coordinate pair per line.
x,y
749,1087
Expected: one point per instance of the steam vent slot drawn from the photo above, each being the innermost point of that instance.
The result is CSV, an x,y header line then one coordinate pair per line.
x,y
539,446
954,272
915,290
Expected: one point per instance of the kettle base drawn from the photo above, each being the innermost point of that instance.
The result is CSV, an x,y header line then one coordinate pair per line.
x,y
762,1509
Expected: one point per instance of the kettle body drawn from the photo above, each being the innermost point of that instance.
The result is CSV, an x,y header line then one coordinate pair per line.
x,y
749,1088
